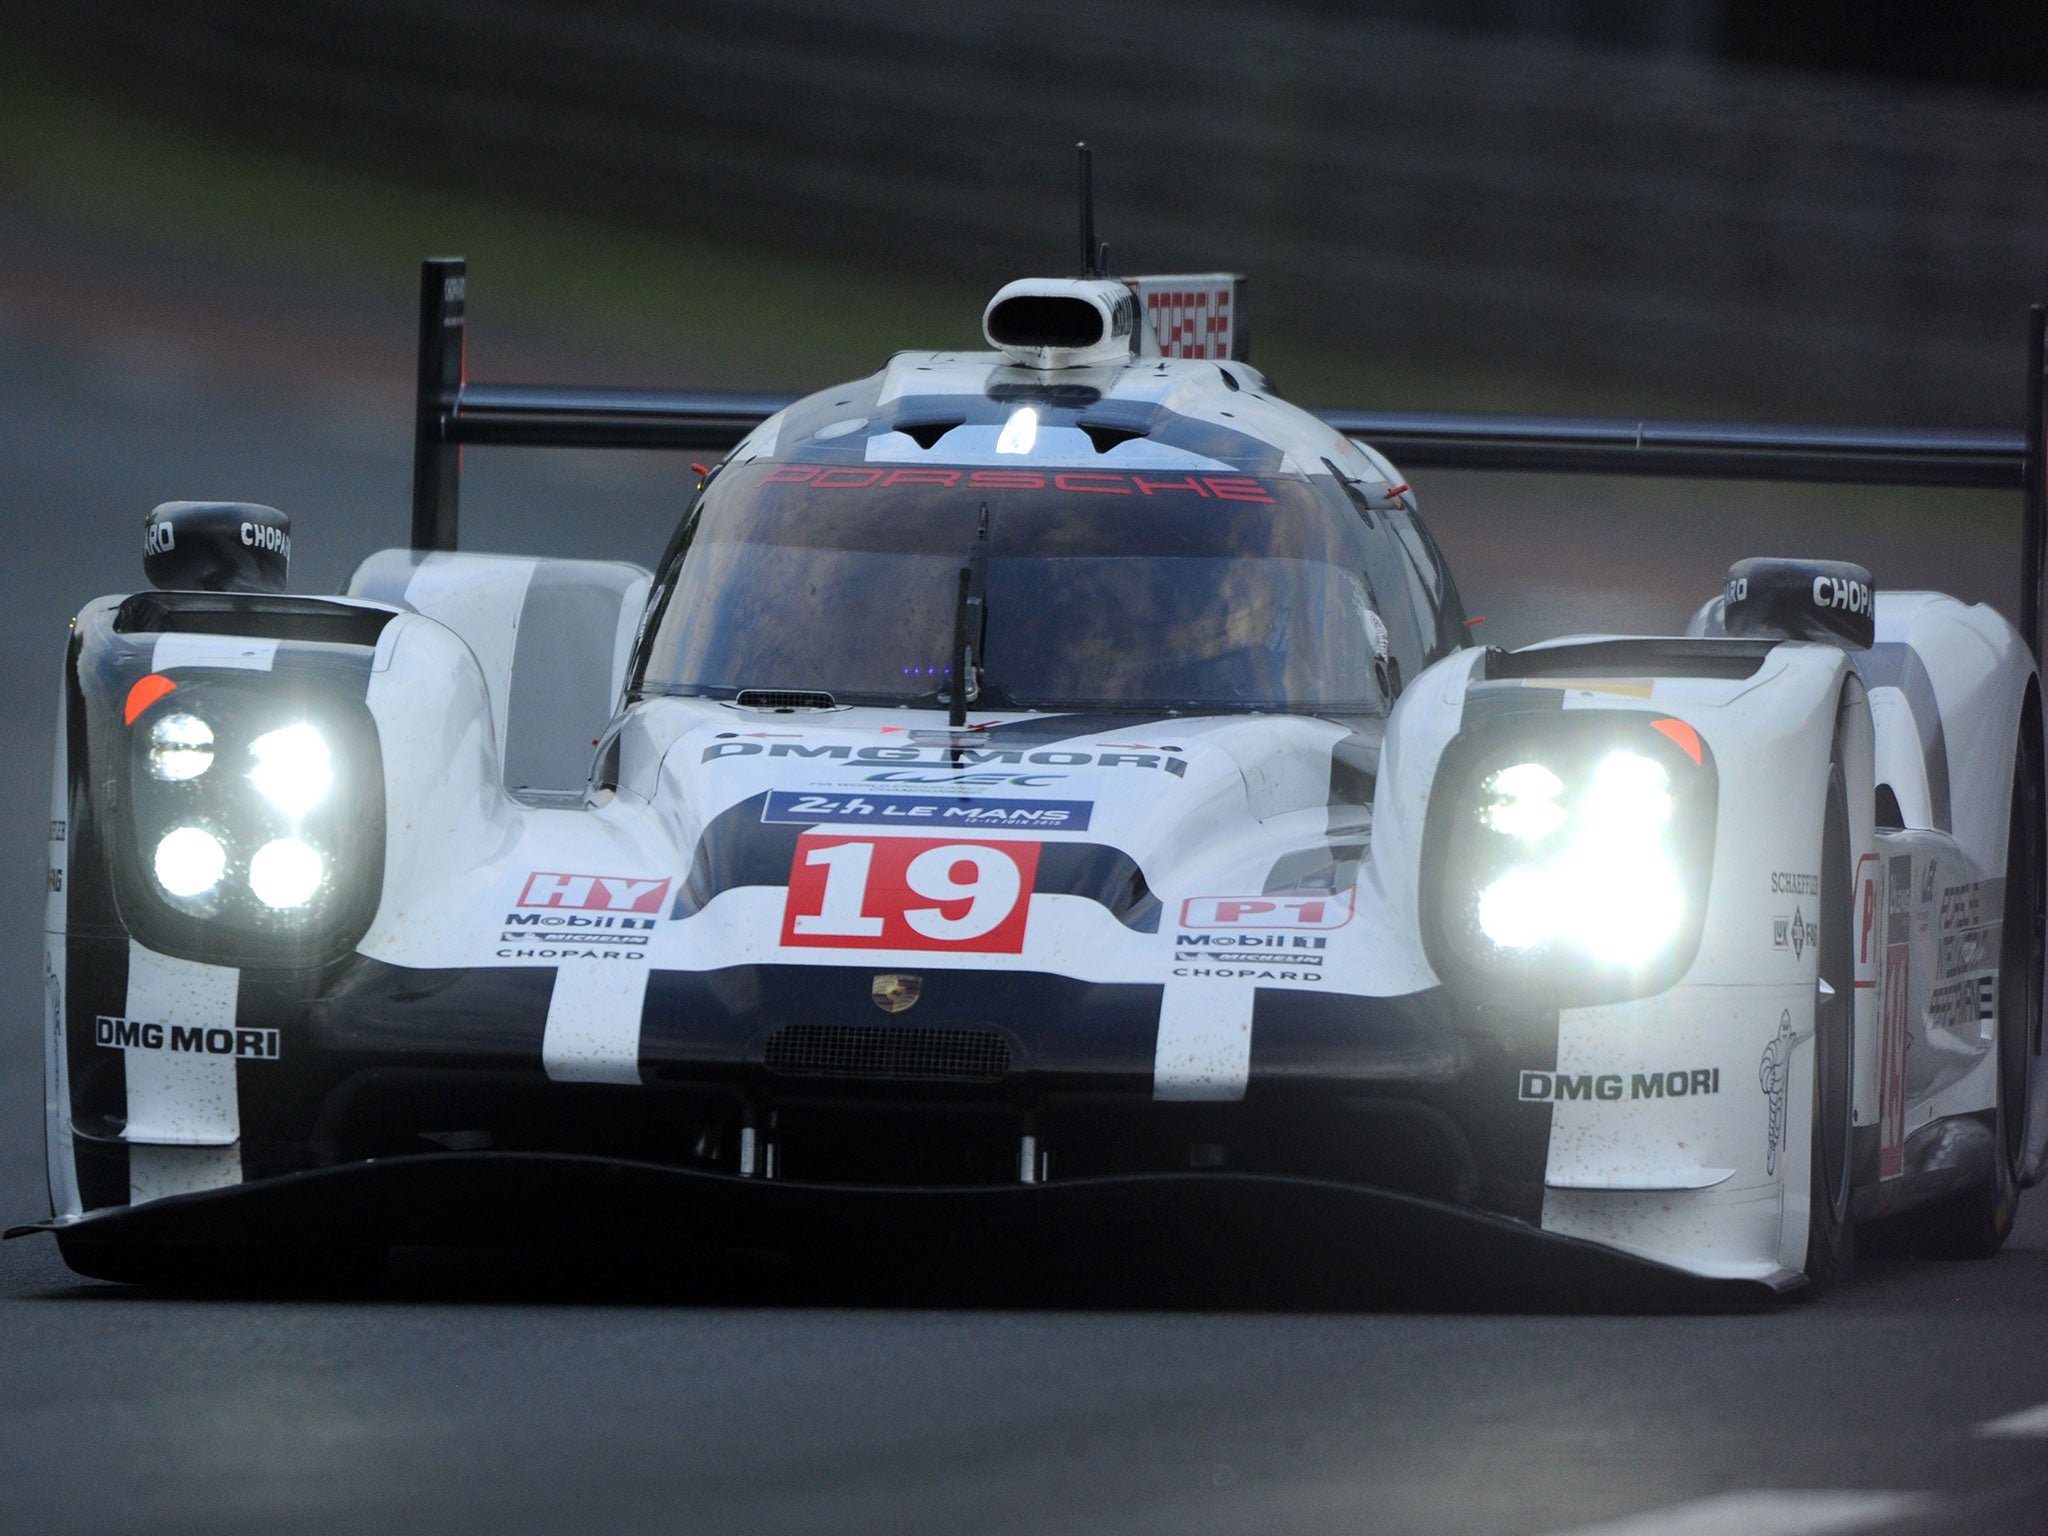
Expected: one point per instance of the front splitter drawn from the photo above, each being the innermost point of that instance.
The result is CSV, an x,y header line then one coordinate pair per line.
x,y
1211,1236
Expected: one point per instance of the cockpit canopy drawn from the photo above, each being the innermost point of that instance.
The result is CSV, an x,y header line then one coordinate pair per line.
x,y
1199,590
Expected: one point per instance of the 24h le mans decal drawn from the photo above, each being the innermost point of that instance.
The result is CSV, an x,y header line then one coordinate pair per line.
x,y
909,893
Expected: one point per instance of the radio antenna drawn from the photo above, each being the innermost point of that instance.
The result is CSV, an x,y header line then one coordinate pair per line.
x,y
1093,257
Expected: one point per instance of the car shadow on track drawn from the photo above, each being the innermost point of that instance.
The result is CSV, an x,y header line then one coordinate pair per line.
x,y
1295,1265
468,1227
961,1279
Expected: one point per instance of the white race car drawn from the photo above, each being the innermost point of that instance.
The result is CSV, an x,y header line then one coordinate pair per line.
x,y
1047,781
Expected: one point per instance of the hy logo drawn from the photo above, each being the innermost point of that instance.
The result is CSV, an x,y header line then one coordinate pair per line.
x,y
593,893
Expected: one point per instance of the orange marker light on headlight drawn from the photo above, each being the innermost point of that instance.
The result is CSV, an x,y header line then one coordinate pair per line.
x,y
146,693
1687,738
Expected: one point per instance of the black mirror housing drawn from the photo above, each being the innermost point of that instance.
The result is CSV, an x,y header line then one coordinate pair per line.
x,y
216,546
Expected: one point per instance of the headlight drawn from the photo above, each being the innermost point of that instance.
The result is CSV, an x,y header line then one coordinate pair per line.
x,y
180,747
294,770
1567,856
189,863
286,874
256,820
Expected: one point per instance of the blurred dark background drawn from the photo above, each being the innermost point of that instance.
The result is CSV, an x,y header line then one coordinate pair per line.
x,y
1827,209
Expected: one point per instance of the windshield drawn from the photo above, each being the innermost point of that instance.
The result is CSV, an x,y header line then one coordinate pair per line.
x,y
1187,591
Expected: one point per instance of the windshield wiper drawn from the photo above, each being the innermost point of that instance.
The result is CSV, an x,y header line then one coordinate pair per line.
x,y
970,627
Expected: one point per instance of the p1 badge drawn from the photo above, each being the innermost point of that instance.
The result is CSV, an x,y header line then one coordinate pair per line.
x,y
1332,911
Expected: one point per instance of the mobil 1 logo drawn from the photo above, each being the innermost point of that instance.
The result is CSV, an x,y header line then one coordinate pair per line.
x,y
588,928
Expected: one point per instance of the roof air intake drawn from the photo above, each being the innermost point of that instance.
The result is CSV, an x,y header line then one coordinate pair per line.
x,y
1044,320
1063,323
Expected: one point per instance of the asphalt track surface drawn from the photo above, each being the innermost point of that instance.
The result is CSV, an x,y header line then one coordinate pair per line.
x,y
483,1393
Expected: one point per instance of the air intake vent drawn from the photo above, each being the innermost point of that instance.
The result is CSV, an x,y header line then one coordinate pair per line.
x,y
1104,437
257,615
1063,322
926,434
888,1053
1045,320
783,701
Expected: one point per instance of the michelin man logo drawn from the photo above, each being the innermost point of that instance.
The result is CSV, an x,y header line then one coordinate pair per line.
x,y
1772,1074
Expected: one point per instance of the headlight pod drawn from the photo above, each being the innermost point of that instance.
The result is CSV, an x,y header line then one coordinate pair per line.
x,y
254,819
1567,856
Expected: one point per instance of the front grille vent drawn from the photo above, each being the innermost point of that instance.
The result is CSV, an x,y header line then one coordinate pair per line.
x,y
888,1052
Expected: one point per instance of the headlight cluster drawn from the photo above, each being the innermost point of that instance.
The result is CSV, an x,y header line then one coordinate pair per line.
x,y
1568,856
257,817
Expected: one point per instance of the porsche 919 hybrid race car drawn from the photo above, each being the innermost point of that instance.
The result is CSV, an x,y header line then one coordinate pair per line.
x,y
1060,772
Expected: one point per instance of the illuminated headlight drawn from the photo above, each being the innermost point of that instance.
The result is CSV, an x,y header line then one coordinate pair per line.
x,y
1519,911
294,770
256,820
189,862
180,747
286,873
1568,856
1522,801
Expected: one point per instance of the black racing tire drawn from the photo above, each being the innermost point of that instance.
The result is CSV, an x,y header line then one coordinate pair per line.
x,y
1975,1223
216,1269
1830,1233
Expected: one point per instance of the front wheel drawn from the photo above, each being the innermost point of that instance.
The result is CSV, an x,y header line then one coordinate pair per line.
x,y
1830,1235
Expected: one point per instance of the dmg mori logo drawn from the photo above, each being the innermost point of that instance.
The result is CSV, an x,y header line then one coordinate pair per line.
x,y
185,1039
1608,1087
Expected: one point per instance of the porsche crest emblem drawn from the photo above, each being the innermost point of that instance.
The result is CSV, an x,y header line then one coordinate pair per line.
x,y
893,993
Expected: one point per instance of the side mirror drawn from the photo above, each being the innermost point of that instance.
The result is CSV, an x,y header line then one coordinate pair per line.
x,y
216,546
1828,600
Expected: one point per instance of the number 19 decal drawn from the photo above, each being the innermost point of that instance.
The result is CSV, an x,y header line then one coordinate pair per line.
x,y
909,893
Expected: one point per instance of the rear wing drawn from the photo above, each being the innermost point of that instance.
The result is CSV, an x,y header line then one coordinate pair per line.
x,y
450,412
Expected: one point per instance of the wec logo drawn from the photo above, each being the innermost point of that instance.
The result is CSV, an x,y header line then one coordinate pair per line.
x,y
593,893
